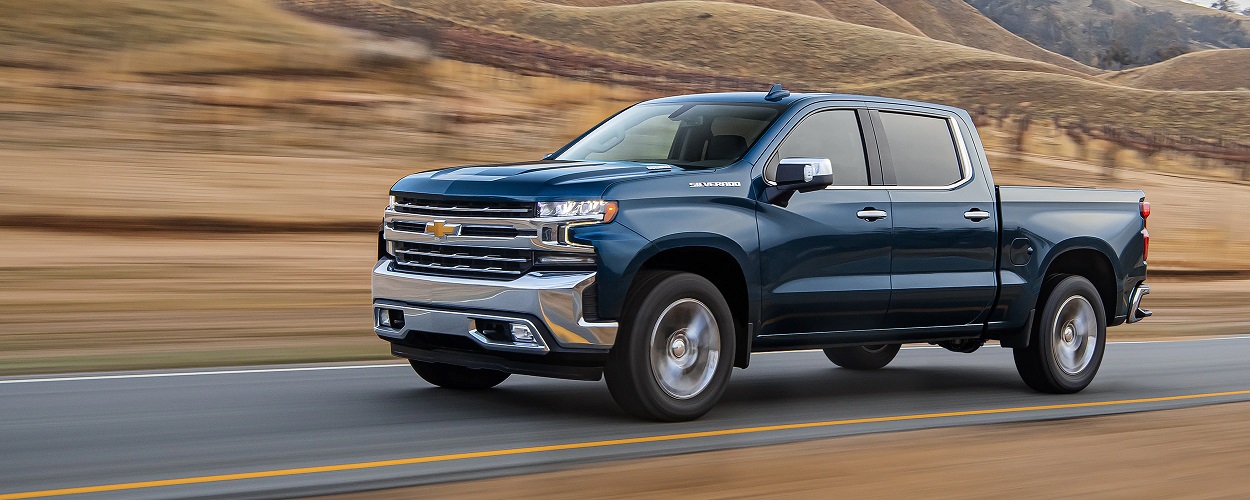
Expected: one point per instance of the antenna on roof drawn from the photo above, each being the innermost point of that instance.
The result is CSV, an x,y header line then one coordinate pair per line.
x,y
777,93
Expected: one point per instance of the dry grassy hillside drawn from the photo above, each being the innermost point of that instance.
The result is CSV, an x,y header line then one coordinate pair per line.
x,y
946,20
218,169
956,21
1188,10
728,38
1117,34
863,12
1226,69
219,166
65,34
823,54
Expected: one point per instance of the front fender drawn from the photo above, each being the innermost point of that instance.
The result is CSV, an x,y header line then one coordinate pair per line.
x,y
646,229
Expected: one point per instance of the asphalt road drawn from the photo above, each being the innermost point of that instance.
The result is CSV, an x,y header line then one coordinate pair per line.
x,y
284,431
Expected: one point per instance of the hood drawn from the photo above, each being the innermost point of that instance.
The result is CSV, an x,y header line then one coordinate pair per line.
x,y
548,179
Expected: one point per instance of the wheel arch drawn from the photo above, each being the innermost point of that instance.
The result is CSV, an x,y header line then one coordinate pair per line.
x,y
1091,263
724,265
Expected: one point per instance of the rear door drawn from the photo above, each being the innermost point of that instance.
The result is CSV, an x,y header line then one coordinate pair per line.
x,y
825,260
945,231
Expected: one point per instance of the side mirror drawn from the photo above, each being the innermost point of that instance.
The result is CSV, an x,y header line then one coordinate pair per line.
x,y
799,175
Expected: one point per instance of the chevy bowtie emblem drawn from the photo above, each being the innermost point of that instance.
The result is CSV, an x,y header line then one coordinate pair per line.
x,y
442,229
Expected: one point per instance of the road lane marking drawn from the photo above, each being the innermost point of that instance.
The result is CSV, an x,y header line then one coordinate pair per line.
x,y
1206,339
199,373
392,365
595,444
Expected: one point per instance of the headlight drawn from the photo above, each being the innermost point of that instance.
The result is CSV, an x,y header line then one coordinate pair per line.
x,y
603,210
391,204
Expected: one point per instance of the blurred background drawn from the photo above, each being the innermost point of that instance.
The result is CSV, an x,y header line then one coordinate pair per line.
x,y
191,183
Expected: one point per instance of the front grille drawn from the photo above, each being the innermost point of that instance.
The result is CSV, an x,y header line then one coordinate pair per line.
x,y
446,260
464,208
467,230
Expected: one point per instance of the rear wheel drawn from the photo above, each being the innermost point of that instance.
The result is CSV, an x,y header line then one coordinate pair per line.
x,y
863,357
675,348
1068,339
457,377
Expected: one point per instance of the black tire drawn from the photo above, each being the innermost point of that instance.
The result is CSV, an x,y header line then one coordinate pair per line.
x,y
457,377
665,300
1056,362
863,357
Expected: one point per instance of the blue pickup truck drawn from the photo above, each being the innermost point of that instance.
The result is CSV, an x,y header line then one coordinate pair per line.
x,y
665,245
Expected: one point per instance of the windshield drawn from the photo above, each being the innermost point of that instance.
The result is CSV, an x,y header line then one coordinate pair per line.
x,y
688,135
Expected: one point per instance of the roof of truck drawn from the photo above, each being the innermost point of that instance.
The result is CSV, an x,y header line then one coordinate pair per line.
x,y
791,99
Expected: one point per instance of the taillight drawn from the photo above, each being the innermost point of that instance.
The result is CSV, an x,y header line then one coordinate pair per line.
x,y
1143,207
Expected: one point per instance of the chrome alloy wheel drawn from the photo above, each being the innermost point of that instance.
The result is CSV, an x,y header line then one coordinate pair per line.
x,y
1075,332
685,348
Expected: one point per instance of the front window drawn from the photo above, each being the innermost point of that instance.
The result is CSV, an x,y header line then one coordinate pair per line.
x,y
688,135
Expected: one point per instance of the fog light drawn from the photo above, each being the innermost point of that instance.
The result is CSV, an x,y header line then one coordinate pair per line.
x,y
391,318
522,334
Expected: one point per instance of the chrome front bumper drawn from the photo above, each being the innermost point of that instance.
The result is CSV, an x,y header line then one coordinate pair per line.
x,y
453,306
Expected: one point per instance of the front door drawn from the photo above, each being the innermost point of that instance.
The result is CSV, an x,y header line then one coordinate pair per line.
x,y
825,257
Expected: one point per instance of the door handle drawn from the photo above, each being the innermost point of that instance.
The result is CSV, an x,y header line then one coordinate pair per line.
x,y
976,215
871,214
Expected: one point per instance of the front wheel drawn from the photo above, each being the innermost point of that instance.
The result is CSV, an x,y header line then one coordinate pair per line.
x,y
675,348
863,357
1068,339
457,377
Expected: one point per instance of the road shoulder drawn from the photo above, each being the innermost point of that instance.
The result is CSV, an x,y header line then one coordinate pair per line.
x,y
1190,452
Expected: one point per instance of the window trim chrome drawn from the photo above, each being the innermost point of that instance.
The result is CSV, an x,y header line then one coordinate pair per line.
x,y
961,148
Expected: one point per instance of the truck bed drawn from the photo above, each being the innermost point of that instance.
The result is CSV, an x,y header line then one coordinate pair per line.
x,y
1040,223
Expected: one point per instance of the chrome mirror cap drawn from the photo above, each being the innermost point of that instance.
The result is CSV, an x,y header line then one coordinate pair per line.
x,y
799,175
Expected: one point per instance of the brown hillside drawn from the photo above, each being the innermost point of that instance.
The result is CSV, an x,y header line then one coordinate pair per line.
x,y
947,20
956,21
730,39
739,43
1186,10
863,12
1226,69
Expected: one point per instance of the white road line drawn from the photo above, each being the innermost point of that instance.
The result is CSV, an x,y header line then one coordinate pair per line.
x,y
1173,341
190,374
1239,337
393,365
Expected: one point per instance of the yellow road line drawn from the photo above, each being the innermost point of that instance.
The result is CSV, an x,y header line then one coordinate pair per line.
x,y
593,444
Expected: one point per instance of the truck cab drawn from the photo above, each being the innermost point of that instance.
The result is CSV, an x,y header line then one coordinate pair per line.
x,y
665,245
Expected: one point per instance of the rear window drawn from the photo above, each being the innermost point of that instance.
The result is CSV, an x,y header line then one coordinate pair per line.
x,y
922,149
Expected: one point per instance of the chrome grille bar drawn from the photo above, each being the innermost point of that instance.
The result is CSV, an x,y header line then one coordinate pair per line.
x,y
464,209
490,258
493,270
